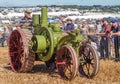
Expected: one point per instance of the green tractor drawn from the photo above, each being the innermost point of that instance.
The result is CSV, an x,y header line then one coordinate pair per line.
x,y
69,54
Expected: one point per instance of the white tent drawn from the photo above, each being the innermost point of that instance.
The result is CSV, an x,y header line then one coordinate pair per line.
x,y
1,15
95,16
14,14
5,21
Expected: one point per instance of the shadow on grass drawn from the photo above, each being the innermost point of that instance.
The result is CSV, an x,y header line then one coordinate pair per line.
x,y
42,68
8,67
39,68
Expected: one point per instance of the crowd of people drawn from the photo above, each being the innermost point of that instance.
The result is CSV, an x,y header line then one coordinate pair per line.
x,y
102,31
26,21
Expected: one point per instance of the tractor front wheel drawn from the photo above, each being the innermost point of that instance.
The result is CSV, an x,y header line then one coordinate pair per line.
x,y
88,61
66,62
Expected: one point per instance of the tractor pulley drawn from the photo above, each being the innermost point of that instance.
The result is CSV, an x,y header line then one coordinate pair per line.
x,y
48,42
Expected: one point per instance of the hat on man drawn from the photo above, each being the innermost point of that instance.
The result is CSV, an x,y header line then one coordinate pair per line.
x,y
28,11
105,19
69,19
114,20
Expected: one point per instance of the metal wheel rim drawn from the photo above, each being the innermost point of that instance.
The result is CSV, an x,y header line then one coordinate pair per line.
x,y
89,66
17,50
67,68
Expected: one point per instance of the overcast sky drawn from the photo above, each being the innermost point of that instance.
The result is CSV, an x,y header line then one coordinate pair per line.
x,y
57,2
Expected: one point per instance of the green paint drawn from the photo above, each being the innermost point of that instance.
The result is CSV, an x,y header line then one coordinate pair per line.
x,y
38,43
44,17
36,19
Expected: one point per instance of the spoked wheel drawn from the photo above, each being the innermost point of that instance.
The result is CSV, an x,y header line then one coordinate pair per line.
x,y
21,58
66,62
89,61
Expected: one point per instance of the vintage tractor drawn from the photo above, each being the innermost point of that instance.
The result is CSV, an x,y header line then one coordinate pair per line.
x,y
68,53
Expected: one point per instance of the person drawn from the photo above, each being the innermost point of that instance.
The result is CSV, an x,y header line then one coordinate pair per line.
x,y
69,25
98,30
105,39
10,29
84,30
115,31
26,21
91,27
3,36
98,26
63,25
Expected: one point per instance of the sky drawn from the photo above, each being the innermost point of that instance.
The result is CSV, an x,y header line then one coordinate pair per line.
x,y
57,2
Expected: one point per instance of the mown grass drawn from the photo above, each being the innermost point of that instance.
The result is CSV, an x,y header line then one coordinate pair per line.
x,y
109,73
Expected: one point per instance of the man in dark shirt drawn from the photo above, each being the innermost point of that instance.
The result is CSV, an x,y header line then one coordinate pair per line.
x,y
105,39
26,21
69,25
115,31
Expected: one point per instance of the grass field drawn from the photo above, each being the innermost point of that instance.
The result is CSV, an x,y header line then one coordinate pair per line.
x,y
109,73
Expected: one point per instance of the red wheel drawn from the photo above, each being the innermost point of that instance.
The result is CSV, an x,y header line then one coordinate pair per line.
x,y
66,62
89,61
21,59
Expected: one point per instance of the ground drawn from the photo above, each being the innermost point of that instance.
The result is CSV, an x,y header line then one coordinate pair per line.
x,y
109,73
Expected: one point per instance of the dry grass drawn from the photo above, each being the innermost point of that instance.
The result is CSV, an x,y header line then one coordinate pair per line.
x,y
109,73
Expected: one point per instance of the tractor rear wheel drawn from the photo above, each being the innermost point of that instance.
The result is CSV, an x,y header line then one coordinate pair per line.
x,y
21,57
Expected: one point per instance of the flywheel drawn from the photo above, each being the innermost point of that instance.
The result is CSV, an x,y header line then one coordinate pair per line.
x,y
47,54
